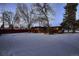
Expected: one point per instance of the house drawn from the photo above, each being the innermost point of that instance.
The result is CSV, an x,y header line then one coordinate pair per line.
x,y
55,29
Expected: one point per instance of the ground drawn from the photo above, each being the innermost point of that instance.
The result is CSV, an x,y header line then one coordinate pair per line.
x,y
32,44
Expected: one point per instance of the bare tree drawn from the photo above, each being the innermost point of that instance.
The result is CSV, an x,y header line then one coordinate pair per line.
x,y
42,11
3,9
17,16
22,12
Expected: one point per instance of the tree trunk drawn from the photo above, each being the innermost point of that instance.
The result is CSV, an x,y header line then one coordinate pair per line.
x,y
48,28
73,29
68,30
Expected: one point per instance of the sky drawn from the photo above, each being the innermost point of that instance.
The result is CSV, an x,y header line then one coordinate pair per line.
x,y
57,7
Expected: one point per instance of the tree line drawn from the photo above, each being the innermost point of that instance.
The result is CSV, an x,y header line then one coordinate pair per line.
x,y
39,13
36,13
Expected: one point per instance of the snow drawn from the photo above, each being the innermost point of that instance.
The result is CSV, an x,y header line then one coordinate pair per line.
x,y
33,44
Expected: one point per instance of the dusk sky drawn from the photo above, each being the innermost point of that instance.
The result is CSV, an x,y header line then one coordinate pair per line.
x,y
57,7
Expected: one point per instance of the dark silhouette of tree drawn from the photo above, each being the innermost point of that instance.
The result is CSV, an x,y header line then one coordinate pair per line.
x,y
70,16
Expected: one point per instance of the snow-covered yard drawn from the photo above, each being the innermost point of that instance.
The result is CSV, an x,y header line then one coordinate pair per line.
x,y
31,44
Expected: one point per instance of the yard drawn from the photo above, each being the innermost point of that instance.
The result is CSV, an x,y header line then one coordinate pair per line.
x,y
38,44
